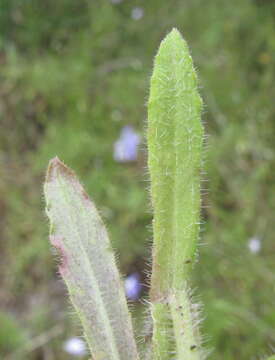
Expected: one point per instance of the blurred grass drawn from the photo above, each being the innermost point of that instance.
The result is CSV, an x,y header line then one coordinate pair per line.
x,y
72,75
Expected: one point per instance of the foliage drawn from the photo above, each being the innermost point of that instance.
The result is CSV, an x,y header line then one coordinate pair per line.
x,y
174,161
77,232
71,77
88,266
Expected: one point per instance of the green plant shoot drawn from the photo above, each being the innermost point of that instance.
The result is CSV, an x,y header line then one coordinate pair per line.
x,y
87,262
175,141
175,138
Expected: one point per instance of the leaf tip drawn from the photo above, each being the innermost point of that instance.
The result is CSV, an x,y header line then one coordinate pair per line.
x,y
173,35
56,167
175,31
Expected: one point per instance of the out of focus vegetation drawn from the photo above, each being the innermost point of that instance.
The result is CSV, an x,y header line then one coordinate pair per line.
x,y
73,73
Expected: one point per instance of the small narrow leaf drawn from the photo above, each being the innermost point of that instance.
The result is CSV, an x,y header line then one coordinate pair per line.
x,y
175,136
88,266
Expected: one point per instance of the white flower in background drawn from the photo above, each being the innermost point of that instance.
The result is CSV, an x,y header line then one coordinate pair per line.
x,y
75,346
254,245
116,1
137,13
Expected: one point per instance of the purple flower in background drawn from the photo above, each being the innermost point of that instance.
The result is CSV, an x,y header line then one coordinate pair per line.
x,y
125,148
133,286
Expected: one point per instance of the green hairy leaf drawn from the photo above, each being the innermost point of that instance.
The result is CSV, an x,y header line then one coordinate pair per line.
x,y
88,266
175,137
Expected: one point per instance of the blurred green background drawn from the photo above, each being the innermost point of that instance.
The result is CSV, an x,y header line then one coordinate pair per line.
x,y
73,73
